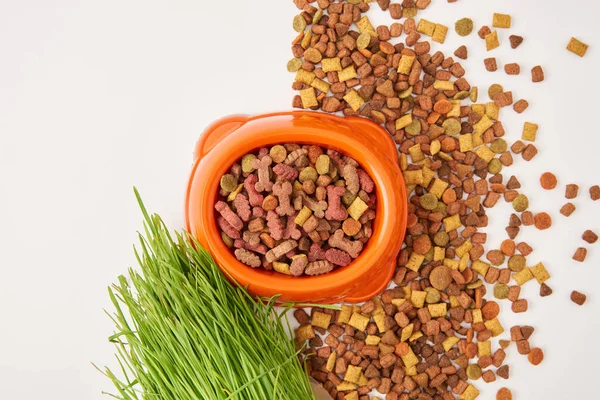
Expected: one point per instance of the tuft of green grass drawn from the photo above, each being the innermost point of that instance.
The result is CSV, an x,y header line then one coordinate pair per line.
x,y
184,332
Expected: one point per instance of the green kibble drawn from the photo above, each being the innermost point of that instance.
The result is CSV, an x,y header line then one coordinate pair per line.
x,y
464,26
229,183
294,65
441,239
501,291
499,146
227,240
308,174
461,95
473,372
451,126
520,203
516,263
414,128
299,23
278,153
322,165
429,255
348,198
429,201
247,162
405,93
494,166
433,295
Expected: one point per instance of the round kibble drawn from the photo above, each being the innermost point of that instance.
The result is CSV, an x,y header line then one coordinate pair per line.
x,y
499,146
490,310
516,263
473,372
228,183
548,180
351,227
536,356
501,291
313,55
433,295
520,203
308,174
363,41
494,166
504,394
247,162
278,153
323,164
440,278
428,201
496,257
294,65
413,129
464,26
441,239
422,244
451,126
270,203
542,221
299,23
494,90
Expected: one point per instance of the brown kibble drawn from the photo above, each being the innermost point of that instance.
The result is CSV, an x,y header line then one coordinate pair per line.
x,y
512,69
527,331
515,41
548,180
523,347
589,236
530,152
580,254
503,99
440,278
520,306
543,221
520,106
504,371
545,290
462,52
518,147
504,394
571,191
578,298
484,31
537,74
488,376
490,64
536,356
577,47
595,192
527,218
567,209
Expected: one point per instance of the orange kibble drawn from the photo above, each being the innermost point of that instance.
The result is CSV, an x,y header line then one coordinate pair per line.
x,y
536,356
504,394
548,180
543,221
490,310
508,247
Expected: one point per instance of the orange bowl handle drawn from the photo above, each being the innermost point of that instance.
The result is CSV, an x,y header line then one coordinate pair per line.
x,y
216,132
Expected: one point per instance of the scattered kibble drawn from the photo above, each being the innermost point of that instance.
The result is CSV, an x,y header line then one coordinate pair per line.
x,y
571,191
537,74
504,394
529,131
536,356
501,20
464,26
491,41
545,290
543,221
490,64
512,69
520,106
577,47
567,209
580,254
515,41
462,52
548,181
589,236
520,203
595,192
578,298
484,31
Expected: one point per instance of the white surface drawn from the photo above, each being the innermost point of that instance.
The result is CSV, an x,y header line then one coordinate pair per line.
x,y
98,96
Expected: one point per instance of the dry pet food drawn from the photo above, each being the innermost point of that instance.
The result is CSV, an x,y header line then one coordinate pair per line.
x,y
571,191
462,52
491,41
578,298
595,192
490,64
504,394
537,74
548,180
464,26
577,47
520,106
567,209
580,254
501,21
512,69
589,236
515,41
543,221
297,210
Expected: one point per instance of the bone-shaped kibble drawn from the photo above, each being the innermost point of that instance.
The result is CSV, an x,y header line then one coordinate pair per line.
x,y
242,207
262,165
351,178
280,250
338,257
298,265
318,268
255,198
317,207
338,241
252,238
229,216
259,248
294,155
316,253
283,191
258,212
285,172
275,225
248,258
335,211
366,183
291,230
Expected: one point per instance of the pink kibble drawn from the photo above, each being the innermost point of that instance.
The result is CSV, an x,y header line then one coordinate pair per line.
x,y
275,225
227,213
338,241
316,253
259,248
335,211
242,207
258,212
283,191
252,238
351,177
366,183
255,198
262,165
285,172
338,257
228,229
291,230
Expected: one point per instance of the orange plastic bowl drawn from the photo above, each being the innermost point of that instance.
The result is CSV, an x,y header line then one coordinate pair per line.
x,y
229,139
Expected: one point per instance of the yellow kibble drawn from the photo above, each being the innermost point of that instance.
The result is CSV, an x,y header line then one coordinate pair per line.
x,y
358,321
354,100
523,276
491,41
303,215
443,85
540,273
305,77
345,313
309,98
529,131
452,223
282,268
353,374
501,20
415,261
439,34
405,64
437,310
426,27
357,208
466,142
413,177
417,298
331,64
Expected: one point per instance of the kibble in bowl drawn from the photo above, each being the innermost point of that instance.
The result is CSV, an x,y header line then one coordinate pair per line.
x,y
296,209
235,144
